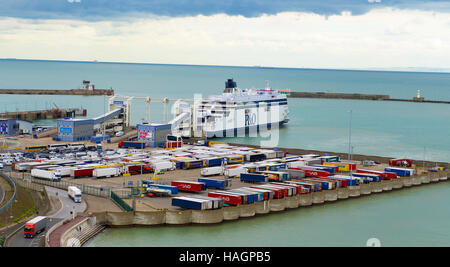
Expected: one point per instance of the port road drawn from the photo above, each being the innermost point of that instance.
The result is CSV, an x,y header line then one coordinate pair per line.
x,y
68,208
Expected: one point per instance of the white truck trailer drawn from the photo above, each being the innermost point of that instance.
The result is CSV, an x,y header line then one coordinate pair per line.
x,y
106,172
45,175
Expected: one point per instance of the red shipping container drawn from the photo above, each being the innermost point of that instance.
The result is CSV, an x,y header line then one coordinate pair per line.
x,y
83,173
384,175
189,186
228,199
298,188
313,172
400,162
277,192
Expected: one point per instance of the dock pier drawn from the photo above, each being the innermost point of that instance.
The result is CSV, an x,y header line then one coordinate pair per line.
x,y
55,113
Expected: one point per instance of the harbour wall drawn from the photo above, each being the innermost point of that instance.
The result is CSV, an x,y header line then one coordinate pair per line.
x,y
361,97
56,92
184,217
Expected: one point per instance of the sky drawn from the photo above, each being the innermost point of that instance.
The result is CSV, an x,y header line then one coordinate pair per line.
x,y
347,34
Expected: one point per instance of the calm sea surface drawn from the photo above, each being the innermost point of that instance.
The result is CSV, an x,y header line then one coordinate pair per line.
x,y
420,131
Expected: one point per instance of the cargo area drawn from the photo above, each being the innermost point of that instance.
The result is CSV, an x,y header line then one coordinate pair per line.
x,y
209,175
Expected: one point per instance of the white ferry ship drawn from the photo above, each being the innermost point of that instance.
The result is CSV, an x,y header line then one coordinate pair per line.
x,y
235,112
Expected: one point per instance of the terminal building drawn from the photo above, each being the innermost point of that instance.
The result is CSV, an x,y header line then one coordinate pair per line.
x,y
9,127
73,130
154,134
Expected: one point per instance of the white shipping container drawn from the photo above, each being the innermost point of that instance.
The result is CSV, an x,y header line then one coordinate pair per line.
x,y
163,165
234,172
296,164
218,170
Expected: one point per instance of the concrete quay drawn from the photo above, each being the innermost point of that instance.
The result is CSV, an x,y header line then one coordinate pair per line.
x,y
182,217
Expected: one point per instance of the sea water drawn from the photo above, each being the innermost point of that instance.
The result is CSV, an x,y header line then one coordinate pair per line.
x,y
384,128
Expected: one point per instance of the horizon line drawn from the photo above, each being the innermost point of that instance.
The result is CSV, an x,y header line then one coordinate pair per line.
x,y
374,69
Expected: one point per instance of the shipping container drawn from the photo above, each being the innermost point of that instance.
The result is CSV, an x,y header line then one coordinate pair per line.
x,y
253,157
296,189
384,175
173,189
324,185
309,172
267,193
252,197
189,186
106,172
277,192
234,159
235,171
230,199
400,162
215,183
276,176
77,173
330,169
217,203
343,166
189,203
310,187
373,177
132,144
254,178
330,158
403,172
211,162
296,164
294,174
350,181
212,171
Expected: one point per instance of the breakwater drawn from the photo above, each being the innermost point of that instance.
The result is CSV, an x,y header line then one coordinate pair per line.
x,y
361,97
108,92
183,217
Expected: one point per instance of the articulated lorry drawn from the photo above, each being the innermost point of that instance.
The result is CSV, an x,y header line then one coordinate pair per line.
x,y
35,226
74,193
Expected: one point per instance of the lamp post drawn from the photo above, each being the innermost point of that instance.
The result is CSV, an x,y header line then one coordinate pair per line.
x,y
350,143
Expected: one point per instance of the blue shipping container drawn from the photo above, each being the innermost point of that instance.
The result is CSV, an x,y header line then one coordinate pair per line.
x,y
215,183
251,177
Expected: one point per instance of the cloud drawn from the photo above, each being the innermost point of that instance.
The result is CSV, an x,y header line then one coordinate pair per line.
x,y
383,37
94,10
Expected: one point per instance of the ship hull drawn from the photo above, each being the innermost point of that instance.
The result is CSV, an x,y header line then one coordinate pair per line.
x,y
242,131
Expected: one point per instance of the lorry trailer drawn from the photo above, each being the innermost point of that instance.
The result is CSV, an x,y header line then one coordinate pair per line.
x,y
106,172
45,175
